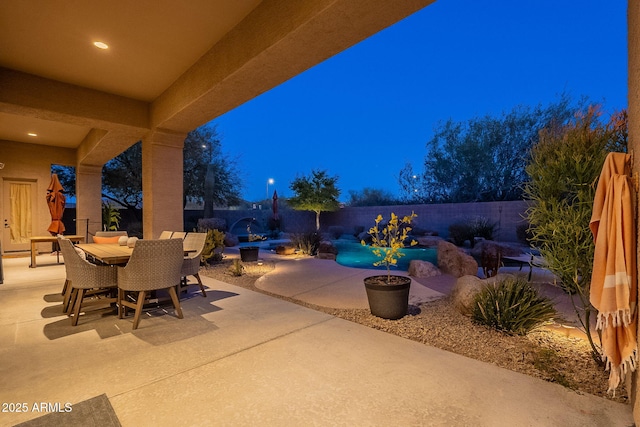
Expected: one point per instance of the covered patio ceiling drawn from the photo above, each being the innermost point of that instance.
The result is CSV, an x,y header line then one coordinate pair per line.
x,y
170,65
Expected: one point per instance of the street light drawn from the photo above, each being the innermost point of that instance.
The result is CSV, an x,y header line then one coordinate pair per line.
x,y
269,181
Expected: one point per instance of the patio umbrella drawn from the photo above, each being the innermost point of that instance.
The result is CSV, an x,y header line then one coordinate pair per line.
x,y
274,207
613,282
56,202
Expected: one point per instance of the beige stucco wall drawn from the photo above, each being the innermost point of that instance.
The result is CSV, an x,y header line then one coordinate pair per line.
x,y
30,162
633,25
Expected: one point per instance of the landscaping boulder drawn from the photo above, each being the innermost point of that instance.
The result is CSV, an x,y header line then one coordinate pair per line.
x,y
429,241
454,261
326,250
464,293
419,268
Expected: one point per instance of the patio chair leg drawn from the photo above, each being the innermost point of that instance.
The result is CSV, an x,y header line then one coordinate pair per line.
x,y
69,295
136,317
121,308
176,301
197,276
76,306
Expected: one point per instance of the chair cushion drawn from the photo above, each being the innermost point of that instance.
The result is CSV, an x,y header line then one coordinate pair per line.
x,y
81,253
114,239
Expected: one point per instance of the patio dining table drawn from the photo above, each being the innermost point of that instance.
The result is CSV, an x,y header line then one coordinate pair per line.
x,y
110,253
107,253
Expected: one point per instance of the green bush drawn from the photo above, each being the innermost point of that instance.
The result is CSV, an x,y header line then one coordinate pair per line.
x,y
308,243
512,306
214,240
236,269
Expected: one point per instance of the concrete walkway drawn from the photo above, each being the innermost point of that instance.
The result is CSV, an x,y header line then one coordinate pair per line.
x,y
244,358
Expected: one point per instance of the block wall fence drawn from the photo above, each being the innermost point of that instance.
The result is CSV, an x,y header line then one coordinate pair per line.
x,y
437,217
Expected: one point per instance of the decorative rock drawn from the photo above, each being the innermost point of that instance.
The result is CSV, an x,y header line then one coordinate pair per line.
x,y
131,241
122,241
326,247
455,262
419,268
464,293
429,241
285,250
326,255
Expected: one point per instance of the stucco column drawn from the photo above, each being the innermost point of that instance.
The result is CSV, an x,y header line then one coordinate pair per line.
x,y
88,199
633,110
162,181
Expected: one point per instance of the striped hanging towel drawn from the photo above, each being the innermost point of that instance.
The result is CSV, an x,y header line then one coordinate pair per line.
x,y
614,283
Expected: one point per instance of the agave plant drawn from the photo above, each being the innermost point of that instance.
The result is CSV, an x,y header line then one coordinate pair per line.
x,y
512,306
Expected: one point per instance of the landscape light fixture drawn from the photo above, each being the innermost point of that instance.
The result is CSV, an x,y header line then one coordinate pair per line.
x,y
101,45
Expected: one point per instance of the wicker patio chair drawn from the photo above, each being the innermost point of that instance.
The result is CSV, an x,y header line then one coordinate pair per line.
x,y
191,263
165,235
154,265
88,284
179,235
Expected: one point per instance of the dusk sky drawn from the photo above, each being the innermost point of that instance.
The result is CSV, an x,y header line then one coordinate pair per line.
x,y
364,113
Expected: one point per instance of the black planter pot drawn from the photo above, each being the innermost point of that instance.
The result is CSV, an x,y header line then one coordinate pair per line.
x,y
249,253
388,301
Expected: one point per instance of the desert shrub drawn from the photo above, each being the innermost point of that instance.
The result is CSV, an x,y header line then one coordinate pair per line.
x,y
470,228
308,243
236,269
482,227
459,232
214,240
336,231
512,306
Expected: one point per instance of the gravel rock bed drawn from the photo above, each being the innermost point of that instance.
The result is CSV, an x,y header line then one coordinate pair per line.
x,y
544,353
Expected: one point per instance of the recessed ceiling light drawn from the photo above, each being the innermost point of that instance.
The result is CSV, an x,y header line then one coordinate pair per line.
x,y
32,134
101,45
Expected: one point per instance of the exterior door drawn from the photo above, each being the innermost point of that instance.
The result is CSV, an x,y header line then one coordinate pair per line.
x,y
18,214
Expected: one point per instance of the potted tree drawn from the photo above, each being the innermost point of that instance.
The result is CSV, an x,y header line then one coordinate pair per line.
x,y
388,294
250,253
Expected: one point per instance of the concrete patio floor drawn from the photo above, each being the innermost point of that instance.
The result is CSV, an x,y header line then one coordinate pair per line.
x,y
243,358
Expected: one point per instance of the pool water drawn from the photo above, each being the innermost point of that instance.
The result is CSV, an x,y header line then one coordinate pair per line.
x,y
353,254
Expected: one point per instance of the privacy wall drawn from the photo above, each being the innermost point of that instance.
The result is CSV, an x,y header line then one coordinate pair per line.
x,y
507,215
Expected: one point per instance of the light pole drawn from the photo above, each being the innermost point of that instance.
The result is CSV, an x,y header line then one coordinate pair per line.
x,y
269,181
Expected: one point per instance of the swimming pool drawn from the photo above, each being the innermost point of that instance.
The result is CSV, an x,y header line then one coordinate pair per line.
x,y
353,254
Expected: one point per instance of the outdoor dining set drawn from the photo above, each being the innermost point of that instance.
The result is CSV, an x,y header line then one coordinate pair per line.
x,y
127,275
